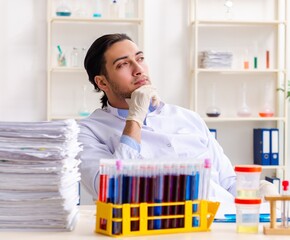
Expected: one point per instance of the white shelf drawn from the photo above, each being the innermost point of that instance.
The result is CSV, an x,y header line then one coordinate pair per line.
x,y
66,84
244,119
216,23
67,69
256,27
280,167
238,71
73,20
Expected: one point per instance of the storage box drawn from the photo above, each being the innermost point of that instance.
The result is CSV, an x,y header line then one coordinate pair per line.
x,y
248,213
188,216
248,180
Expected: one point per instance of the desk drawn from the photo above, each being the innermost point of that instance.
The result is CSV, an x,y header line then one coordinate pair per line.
x,y
86,225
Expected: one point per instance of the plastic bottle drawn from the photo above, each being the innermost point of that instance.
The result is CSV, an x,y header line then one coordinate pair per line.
x,y
74,57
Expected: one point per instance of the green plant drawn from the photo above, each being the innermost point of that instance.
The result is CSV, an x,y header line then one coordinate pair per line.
x,y
287,89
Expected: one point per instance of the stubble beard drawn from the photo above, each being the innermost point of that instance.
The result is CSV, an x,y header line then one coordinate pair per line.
x,y
117,91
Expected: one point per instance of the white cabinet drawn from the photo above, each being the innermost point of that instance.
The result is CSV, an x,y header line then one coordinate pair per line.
x,y
248,32
71,29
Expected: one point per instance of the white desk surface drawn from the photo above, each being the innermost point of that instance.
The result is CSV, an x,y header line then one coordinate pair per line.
x,y
86,225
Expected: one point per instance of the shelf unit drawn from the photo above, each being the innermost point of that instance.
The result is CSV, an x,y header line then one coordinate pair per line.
x,y
258,26
68,88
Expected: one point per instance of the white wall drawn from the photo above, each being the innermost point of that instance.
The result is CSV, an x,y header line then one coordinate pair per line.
x,y
22,60
166,45
23,55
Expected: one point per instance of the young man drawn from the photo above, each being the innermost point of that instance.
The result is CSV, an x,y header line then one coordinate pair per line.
x,y
134,124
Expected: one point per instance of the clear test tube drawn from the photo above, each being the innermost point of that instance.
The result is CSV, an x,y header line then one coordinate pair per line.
x,y
285,205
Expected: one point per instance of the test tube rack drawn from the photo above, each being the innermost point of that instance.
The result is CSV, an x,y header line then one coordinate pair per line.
x,y
275,229
204,214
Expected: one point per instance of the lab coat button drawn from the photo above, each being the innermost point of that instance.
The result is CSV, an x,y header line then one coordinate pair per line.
x,y
168,145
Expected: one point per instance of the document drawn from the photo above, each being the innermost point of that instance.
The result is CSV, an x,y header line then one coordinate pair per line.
x,y
39,175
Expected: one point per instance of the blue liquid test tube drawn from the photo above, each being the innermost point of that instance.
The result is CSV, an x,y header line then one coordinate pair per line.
x,y
158,196
118,192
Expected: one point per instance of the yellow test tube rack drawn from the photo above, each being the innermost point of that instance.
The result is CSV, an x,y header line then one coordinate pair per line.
x,y
205,213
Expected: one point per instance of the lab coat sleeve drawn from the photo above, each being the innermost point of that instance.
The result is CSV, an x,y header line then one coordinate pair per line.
x,y
94,150
221,165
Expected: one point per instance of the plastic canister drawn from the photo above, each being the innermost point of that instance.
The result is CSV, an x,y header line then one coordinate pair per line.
x,y
248,180
247,215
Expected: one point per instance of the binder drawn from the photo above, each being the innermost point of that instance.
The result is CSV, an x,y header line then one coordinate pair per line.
x,y
274,148
213,132
275,181
262,146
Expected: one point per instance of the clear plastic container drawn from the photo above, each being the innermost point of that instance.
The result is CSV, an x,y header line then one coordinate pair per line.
x,y
247,215
248,180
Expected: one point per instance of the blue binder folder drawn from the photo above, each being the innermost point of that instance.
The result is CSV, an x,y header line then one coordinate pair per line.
x,y
275,181
213,132
262,146
274,148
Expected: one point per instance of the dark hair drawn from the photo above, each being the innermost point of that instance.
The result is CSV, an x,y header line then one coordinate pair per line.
x,y
95,62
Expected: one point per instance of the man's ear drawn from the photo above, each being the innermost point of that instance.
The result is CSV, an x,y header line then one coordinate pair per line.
x,y
101,81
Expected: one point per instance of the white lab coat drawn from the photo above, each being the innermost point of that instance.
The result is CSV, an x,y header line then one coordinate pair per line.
x,y
169,131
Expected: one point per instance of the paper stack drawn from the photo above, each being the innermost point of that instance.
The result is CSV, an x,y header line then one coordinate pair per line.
x,y
39,175
215,59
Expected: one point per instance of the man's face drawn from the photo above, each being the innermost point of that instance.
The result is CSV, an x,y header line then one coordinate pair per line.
x,y
126,70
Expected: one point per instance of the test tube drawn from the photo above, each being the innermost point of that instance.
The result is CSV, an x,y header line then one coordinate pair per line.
x,y
267,59
103,186
135,174
246,59
285,205
117,212
206,178
158,194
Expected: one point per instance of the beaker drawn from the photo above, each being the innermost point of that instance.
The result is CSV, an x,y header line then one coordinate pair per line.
x,y
61,59
98,12
63,9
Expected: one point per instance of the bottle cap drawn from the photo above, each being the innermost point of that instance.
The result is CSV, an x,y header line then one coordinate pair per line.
x,y
285,185
207,163
119,165
248,168
248,201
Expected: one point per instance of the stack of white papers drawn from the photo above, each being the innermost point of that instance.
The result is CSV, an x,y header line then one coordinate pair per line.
x,y
215,59
39,175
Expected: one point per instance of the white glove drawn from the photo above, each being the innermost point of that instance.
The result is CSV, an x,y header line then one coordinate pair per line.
x,y
140,101
267,189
